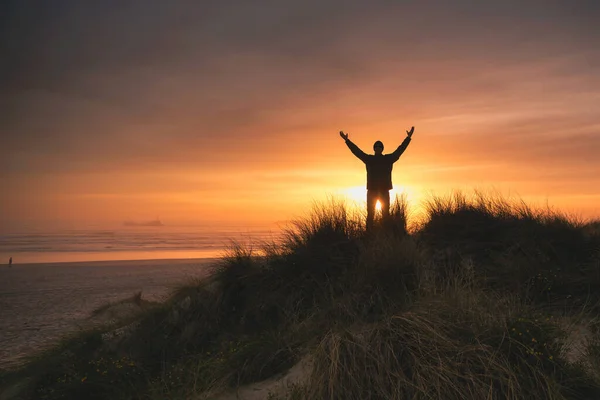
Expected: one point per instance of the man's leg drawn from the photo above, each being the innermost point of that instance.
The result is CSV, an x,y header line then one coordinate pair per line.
x,y
371,201
384,198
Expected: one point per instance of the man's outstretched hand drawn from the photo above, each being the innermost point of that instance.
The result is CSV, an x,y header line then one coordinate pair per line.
x,y
409,133
344,135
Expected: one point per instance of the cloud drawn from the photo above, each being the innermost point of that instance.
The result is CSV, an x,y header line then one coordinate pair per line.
x,y
223,87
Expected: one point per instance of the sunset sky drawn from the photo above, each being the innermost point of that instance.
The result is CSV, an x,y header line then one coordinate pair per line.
x,y
210,112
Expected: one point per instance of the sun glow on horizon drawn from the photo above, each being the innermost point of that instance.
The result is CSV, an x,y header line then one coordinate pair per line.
x,y
358,194
355,198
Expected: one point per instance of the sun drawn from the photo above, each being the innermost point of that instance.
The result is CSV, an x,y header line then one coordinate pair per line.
x,y
356,198
358,194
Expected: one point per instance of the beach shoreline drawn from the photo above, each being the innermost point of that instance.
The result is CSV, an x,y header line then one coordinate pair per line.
x,y
105,256
42,302
123,262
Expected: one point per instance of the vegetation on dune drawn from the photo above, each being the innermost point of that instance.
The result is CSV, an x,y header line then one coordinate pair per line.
x,y
539,254
476,302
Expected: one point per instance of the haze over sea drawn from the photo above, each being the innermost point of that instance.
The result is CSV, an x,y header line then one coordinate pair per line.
x,y
124,243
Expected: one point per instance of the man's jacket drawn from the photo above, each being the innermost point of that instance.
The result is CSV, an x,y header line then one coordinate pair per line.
x,y
379,167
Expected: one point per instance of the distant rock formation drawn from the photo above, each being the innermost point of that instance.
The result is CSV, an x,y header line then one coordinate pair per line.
x,y
156,222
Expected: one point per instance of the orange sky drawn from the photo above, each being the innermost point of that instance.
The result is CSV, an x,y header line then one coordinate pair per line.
x,y
210,114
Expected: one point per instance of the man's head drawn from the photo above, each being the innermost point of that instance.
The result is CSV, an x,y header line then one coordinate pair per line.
x,y
378,147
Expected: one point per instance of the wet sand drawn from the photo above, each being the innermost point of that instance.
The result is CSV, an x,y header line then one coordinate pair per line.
x,y
39,303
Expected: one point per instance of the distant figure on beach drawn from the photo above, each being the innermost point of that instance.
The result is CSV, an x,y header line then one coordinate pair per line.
x,y
379,173
10,262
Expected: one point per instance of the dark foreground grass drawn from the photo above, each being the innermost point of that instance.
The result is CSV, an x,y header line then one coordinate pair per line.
x,y
541,254
471,305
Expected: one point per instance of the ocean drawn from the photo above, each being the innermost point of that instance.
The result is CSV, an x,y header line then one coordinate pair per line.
x,y
125,243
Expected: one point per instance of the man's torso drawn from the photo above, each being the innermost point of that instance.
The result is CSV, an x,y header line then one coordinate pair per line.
x,y
379,172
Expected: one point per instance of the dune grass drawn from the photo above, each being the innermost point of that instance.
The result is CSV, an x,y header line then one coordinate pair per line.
x,y
477,302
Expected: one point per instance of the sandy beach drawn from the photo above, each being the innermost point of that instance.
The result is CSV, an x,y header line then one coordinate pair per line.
x,y
39,303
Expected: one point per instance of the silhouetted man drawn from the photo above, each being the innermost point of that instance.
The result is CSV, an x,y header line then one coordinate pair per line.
x,y
379,173
10,262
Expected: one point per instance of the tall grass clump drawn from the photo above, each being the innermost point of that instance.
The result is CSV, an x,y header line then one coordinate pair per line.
x,y
327,223
541,254
485,349
398,221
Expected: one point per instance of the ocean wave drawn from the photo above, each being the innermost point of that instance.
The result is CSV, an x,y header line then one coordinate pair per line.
x,y
115,241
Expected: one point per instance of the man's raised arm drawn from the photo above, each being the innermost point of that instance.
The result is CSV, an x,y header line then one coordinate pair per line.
x,y
398,152
361,155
